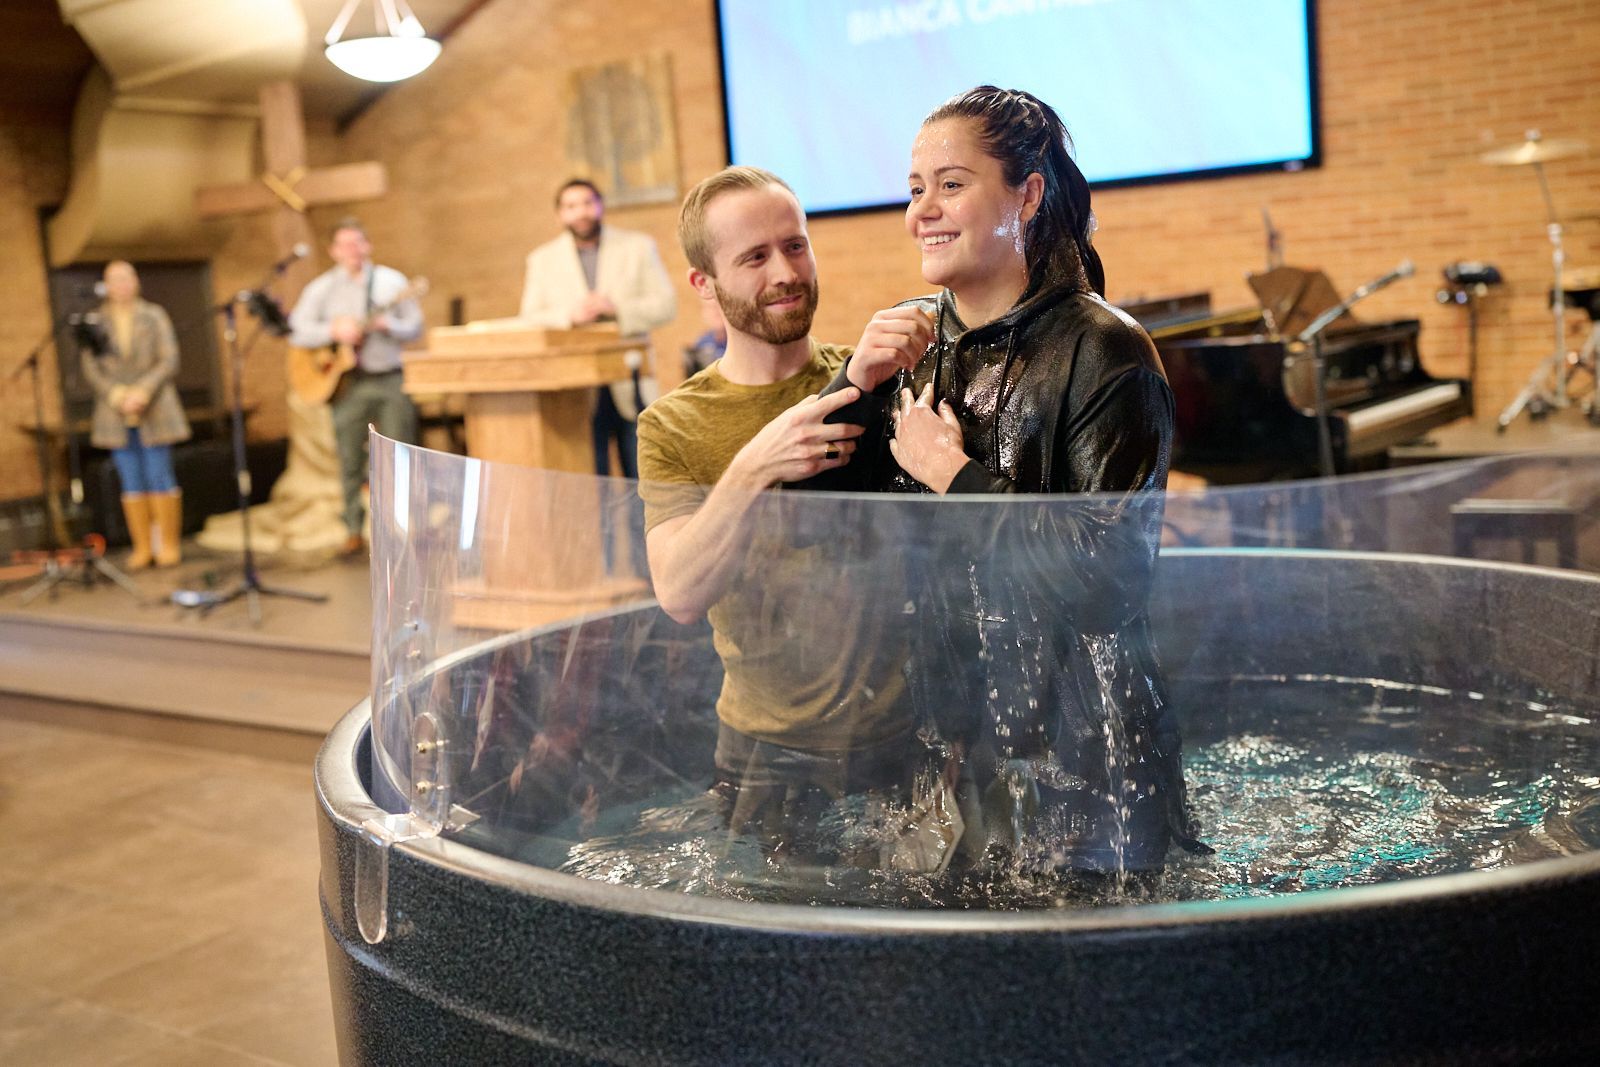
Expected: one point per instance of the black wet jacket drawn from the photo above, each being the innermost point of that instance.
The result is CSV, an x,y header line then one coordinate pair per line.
x,y
1035,613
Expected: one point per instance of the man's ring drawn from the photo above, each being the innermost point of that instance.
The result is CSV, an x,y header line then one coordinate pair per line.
x,y
830,450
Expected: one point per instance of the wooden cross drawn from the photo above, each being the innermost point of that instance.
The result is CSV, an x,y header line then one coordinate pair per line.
x,y
288,187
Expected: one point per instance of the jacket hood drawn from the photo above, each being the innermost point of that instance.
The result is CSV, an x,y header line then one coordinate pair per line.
x,y
1035,300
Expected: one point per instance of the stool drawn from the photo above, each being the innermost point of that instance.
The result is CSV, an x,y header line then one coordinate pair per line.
x,y
1528,522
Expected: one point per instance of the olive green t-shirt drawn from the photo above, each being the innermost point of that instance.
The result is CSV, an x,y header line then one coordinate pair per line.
x,y
811,636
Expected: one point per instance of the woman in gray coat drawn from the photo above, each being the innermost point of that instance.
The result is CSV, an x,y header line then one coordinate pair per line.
x,y
138,416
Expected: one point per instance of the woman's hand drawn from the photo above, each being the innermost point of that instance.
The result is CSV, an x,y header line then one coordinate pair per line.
x,y
928,445
133,402
895,340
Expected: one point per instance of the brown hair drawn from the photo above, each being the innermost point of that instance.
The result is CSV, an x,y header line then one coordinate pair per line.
x,y
692,233
1026,136
349,222
579,183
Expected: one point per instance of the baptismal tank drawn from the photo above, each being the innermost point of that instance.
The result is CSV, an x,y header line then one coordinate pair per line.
x,y
1389,745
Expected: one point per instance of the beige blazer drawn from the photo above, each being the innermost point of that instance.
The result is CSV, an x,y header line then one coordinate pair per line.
x,y
151,362
628,270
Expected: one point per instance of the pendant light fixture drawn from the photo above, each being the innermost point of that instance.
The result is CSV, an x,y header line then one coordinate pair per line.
x,y
398,49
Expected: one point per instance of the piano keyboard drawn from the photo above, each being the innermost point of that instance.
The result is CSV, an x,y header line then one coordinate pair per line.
x,y
1387,412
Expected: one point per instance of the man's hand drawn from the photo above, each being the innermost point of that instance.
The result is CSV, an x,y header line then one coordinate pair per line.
x,y
346,330
896,339
591,308
797,444
929,446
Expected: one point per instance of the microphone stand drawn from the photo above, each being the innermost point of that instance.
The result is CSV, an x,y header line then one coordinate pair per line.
x,y
250,585
61,563
1312,335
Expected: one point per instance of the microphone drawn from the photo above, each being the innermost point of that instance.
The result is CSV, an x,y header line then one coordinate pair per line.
x,y
1274,241
298,252
1404,270
89,331
99,290
267,310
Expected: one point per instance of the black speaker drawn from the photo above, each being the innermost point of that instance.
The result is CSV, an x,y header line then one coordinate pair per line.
x,y
205,474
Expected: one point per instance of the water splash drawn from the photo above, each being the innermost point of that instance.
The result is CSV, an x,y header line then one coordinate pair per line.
x,y
1323,791
1103,653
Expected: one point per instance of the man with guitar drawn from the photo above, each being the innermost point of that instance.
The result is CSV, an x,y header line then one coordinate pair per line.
x,y
368,308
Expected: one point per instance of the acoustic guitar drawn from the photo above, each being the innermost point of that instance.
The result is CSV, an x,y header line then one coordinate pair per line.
x,y
314,373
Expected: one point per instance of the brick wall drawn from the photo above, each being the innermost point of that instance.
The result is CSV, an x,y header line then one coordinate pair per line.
x,y
1412,92
33,173
35,170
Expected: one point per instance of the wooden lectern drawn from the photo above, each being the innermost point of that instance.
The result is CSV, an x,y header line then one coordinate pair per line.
x,y
529,399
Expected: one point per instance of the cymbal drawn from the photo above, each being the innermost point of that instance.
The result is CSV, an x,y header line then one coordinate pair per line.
x,y
1582,278
1534,150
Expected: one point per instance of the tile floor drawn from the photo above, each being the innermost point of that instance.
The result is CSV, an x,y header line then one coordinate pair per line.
x,y
158,905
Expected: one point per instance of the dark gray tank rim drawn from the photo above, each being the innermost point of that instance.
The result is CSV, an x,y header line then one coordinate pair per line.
x,y
347,805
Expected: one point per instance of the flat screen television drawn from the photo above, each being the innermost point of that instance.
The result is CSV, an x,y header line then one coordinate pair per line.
x,y
829,93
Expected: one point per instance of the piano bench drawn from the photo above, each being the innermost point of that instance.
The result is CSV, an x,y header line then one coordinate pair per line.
x,y
1525,522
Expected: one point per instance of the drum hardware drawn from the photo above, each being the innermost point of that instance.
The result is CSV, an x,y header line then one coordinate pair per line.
x,y
1581,289
1467,283
1546,388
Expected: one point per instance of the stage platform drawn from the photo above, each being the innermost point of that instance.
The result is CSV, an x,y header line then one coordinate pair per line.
x,y
101,658
1566,432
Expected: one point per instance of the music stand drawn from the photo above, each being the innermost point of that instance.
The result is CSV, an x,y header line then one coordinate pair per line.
x,y
1292,297
269,317
87,562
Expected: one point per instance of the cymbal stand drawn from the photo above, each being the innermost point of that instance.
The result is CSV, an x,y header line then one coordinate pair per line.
x,y
1546,387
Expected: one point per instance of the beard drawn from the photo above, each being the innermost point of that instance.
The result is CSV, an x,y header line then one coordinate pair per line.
x,y
752,317
585,231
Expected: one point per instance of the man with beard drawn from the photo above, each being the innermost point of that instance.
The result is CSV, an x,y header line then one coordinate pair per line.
x,y
596,273
813,707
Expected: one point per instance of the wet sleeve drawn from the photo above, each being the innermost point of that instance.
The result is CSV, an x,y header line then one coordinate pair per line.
x,y
870,466
1095,554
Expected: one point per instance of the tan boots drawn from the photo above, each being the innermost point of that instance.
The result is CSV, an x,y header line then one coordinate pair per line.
x,y
168,514
158,518
136,509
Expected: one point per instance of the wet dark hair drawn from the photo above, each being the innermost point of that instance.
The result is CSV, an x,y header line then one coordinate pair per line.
x,y
1026,136
575,183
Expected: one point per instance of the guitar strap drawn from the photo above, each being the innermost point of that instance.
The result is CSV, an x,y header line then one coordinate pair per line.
x,y
372,277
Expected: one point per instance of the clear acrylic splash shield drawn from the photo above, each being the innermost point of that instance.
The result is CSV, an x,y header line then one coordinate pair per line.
x,y
1013,702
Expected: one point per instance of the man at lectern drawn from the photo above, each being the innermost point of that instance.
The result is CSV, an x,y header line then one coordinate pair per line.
x,y
596,273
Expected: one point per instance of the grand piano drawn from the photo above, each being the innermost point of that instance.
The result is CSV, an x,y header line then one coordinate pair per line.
x,y
1245,388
